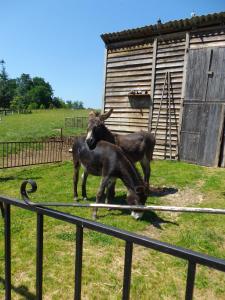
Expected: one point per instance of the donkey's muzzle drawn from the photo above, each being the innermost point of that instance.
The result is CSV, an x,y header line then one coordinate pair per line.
x,y
137,215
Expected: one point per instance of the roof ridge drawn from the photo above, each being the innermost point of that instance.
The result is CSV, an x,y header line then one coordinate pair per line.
x,y
173,25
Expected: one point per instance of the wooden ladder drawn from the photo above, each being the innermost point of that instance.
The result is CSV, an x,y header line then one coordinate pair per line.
x,y
166,86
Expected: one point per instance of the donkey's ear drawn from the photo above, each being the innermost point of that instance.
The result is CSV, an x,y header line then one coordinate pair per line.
x,y
92,115
106,115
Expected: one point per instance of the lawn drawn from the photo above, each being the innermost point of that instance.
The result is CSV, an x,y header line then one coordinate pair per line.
x,y
40,124
154,275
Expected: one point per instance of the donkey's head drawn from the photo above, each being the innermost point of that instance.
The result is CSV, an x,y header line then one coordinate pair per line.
x,y
96,130
138,196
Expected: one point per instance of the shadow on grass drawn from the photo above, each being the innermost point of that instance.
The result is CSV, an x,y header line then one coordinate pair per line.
x,y
149,216
21,290
161,192
155,220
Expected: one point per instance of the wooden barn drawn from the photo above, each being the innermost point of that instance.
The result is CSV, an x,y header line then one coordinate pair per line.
x,y
170,79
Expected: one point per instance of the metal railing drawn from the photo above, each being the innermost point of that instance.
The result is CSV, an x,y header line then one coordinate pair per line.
x,y
193,258
18,154
76,122
6,111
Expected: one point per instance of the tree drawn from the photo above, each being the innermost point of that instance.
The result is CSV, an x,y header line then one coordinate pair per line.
x,y
75,104
69,104
41,92
35,92
7,88
58,102
40,95
24,84
80,105
27,92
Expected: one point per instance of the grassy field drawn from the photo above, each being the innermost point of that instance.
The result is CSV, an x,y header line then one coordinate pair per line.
x,y
155,276
39,124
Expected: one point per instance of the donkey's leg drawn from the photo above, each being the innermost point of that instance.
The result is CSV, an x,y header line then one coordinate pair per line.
x,y
110,193
84,181
100,193
145,164
75,179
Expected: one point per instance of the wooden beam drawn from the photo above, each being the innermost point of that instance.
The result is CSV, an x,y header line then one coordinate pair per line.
x,y
104,80
152,84
187,43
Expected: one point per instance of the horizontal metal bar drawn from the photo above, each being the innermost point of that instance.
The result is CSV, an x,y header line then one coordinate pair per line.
x,y
133,207
163,247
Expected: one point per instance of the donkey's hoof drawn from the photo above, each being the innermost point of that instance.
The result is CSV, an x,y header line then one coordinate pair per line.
x,y
75,199
85,198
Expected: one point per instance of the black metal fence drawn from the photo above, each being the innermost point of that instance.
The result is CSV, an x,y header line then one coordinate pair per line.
x,y
18,154
5,112
76,122
193,258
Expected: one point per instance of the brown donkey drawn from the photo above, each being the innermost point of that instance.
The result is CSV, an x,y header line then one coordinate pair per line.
x,y
107,160
138,146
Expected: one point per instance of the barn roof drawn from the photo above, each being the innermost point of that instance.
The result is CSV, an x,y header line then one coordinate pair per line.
x,y
168,27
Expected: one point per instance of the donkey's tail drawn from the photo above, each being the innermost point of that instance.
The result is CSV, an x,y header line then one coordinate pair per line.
x,y
150,144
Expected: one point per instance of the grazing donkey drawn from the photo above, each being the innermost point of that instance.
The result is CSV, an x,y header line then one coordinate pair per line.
x,y
138,146
107,160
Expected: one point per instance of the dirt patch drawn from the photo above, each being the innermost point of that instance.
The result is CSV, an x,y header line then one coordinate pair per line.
x,y
186,197
169,197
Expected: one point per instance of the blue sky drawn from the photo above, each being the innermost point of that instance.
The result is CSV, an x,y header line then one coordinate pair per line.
x,y
60,40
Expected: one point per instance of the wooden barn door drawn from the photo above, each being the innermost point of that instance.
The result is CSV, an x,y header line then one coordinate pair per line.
x,y
203,114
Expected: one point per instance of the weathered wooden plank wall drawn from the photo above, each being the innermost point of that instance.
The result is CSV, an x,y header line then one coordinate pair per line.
x,y
127,69
143,65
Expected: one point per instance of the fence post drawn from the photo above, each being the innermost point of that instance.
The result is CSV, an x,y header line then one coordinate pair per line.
x,y
39,257
78,262
127,270
190,280
61,134
7,252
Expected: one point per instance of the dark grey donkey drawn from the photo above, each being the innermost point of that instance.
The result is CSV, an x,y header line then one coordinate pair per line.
x,y
138,146
109,162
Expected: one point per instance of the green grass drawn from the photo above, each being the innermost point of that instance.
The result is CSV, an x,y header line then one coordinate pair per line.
x,y
154,275
39,124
